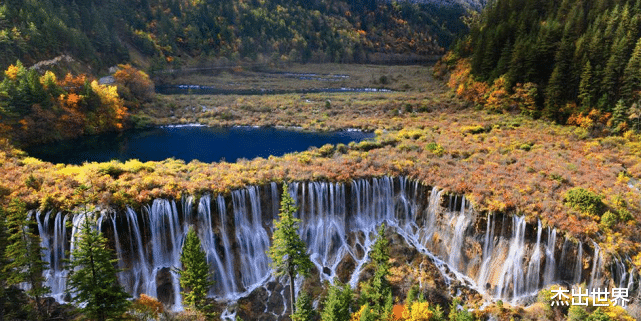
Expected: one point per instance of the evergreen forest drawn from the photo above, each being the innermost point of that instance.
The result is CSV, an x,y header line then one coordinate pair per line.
x,y
581,58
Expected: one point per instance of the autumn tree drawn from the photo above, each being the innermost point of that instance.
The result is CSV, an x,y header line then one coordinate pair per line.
x,y
133,84
194,277
92,276
288,252
24,263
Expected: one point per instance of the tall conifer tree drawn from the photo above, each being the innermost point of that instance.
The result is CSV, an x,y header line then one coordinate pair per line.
x,y
93,276
586,87
632,75
338,303
288,252
194,276
23,254
377,291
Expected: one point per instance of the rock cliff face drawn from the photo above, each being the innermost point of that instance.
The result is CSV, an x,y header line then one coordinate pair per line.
x,y
496,255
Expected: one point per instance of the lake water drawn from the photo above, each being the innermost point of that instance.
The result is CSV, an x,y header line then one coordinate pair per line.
x,y
207,144
210,90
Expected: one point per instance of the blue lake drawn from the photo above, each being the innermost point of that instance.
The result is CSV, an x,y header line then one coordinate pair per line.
x,y
207,144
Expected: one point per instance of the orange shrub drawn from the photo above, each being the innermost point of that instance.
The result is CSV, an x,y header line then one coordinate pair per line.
x,y
147,304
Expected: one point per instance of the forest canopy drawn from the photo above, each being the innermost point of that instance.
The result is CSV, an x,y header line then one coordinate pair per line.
x,y
582,58
162,32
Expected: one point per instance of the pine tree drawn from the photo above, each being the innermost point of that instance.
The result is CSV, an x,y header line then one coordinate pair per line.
x,y
3,264
459,315
586,87
556,91
92,274
338,303
23,253
619,116
194,276
377,291
304,309
288,252
632,75
612,73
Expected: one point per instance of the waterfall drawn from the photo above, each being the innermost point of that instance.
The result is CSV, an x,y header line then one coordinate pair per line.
x,y
54,252
338,224
488,249
550,262
578,268
512,276
251,237
138,269
534,267
596,271
209,244
229,269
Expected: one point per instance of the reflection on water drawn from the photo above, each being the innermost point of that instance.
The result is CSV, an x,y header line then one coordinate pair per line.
x,y
207,144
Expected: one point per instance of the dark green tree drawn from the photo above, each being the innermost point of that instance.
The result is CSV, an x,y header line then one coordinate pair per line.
x,y
92,274
304,309
377,291
586,87
23,255
612,73
556,91
3,264
337,305
288,252
194,276
619,117
632,75
459,315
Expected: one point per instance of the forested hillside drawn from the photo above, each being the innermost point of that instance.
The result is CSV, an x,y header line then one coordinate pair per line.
x,y
581,60
103,33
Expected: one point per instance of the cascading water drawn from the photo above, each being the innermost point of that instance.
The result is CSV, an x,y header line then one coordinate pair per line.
x,y
338,223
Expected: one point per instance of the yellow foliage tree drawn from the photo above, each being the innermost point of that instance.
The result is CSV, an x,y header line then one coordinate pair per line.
x,y
419,311
112,111
48,80
12,72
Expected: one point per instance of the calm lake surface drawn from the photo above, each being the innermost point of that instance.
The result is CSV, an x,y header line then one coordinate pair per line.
x,y
207,144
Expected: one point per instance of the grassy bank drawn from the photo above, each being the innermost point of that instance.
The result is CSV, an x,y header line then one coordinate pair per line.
x,y
413,88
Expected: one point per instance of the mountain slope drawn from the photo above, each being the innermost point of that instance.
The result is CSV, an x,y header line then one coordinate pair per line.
x,y
102,33
583,56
